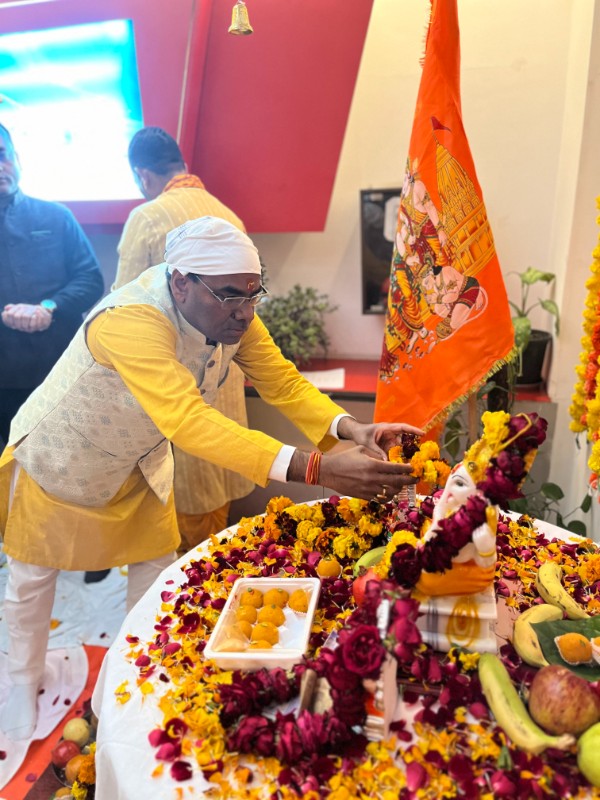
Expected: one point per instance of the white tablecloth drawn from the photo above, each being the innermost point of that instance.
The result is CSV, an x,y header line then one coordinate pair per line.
x,y
125,759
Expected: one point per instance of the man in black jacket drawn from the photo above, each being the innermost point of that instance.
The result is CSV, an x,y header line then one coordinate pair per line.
x,y
49,276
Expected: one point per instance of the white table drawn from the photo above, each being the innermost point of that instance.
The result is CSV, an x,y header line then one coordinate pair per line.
x,y
125,760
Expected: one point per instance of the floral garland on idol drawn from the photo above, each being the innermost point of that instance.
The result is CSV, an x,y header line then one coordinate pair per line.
x,y
234,726
585,405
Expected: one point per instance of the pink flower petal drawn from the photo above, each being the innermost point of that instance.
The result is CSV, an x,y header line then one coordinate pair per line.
x,y
416,776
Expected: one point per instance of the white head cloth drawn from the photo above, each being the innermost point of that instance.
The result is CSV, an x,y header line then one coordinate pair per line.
x,y
210,246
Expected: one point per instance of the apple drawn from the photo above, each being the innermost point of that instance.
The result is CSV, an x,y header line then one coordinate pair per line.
x,y
588,747
562,702
63,752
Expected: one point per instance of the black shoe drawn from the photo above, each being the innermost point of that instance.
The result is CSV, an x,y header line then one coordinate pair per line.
x,y
95,576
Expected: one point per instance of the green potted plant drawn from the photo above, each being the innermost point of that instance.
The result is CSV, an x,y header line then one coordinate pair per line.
x,y
532,343
296,321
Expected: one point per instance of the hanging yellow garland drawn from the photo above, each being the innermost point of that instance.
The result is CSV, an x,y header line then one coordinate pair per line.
x,y
585,406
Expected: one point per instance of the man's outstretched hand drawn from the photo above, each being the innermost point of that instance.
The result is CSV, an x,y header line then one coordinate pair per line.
x,y
379,437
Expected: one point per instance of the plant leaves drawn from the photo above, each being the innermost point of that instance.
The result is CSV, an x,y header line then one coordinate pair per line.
x,y
552,490
578,527
547,631
522,326
532,275
552,307
586,503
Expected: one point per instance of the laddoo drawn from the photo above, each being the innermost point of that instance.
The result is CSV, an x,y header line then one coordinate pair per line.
x,y
265,631
299,601
271,613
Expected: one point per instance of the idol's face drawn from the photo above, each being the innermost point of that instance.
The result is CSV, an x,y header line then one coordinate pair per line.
x,y
10,172
219,306
459,487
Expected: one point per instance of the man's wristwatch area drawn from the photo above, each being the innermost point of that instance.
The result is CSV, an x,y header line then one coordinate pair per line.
x,y
49,305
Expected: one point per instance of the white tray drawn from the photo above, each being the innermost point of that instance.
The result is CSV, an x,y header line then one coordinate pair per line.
x,y
293,634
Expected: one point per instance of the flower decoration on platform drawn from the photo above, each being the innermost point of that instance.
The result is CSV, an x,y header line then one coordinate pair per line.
x,y
231,726
498,463
585,405
500,460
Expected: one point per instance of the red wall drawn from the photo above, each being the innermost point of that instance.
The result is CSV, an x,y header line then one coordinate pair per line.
x,y
260,118
274,106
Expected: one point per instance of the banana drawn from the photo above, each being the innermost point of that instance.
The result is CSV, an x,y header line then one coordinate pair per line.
x,y
510,712
369,559
524,638
549,584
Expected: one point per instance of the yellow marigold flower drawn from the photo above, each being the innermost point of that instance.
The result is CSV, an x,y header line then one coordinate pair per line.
x,y
370,526
278,504
399,537
590,569
302,511
429,450
469,660
78,792
87,770
272,529
349,545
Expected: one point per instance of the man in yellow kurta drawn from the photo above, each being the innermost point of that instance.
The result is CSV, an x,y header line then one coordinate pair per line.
x,y
203,491
86,481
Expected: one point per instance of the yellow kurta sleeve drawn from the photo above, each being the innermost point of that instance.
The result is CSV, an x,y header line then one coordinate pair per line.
x,y
280,384
139,343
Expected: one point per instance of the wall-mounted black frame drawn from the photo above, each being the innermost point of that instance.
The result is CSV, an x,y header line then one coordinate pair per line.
x,y
378,221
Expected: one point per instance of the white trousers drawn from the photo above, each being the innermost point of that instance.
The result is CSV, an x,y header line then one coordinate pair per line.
x,y
28,605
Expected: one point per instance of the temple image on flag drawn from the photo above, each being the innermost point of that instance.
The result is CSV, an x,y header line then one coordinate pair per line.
x,y
447,309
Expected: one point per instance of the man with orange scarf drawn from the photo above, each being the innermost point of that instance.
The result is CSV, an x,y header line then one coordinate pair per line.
x,y
203,492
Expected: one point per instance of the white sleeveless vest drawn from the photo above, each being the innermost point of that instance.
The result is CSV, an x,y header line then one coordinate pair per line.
x,y
82,432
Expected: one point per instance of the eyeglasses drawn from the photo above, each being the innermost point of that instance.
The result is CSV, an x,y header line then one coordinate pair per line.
x,y
233,301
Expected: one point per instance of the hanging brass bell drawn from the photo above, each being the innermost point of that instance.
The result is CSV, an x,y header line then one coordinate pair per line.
x,y
240,24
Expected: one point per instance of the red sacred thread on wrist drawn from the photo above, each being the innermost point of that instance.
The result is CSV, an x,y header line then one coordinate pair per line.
x,y
313,468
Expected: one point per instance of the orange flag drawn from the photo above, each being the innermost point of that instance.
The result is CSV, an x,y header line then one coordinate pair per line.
x,y
448,324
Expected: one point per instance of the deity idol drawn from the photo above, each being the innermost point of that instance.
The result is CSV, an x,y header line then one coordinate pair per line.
x,y
492,471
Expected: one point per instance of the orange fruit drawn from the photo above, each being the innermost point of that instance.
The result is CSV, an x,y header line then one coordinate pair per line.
x,y
261,645
329,568
72,768
64,792
299,601
251,597
277,597
272,614
246,614
265,631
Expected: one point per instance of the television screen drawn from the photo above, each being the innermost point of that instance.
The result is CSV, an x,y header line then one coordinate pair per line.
x,y
70,97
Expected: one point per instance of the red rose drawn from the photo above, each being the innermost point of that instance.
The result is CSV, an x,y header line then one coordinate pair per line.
x,y
289,742
253,734
336,672
362,650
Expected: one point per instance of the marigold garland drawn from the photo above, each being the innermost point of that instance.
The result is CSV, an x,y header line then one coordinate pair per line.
x,y
453,748
585,404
